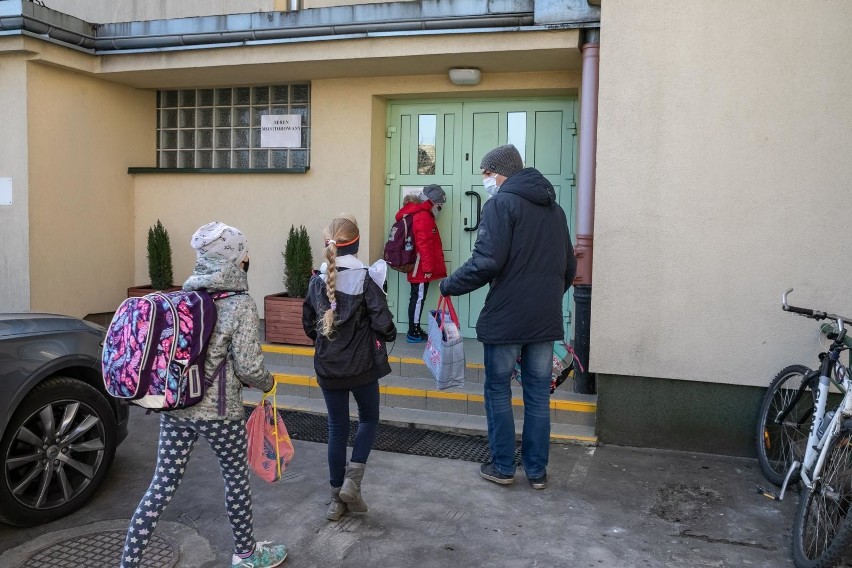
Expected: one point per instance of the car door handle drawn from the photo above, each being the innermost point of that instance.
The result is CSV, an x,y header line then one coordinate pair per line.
x,y
478,210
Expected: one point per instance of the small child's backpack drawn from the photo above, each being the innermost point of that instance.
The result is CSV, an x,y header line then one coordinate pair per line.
x,y
399,248
156,347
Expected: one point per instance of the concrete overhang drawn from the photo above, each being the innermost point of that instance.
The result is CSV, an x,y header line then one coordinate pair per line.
x,y
366,57
367,40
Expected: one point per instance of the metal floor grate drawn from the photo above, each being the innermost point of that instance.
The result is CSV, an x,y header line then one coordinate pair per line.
x,y
100,550
311,427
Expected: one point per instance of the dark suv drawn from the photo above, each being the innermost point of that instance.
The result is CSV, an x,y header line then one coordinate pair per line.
x,y
58,427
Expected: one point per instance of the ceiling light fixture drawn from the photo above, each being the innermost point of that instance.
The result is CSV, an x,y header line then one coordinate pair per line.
x,y
465,76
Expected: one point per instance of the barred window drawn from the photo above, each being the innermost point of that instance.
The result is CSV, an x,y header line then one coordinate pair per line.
x,y
221,128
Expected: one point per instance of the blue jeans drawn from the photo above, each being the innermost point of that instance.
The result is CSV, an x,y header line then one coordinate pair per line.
x,y
337,402
536,369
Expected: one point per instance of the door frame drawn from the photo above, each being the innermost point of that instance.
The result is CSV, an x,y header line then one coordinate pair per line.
x,y
461,243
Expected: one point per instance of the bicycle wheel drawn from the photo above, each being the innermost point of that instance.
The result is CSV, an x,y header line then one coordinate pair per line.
x,y
823,528
779,445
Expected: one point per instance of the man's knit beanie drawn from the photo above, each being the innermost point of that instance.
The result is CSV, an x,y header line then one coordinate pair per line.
x,y
220,239
504,160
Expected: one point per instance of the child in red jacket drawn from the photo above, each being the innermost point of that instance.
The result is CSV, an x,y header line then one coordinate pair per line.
x,y
429,264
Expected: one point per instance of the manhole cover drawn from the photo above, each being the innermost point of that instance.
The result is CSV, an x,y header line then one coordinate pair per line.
x,y
99,550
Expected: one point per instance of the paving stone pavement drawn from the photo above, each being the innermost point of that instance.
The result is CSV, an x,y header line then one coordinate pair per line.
x,y
606,506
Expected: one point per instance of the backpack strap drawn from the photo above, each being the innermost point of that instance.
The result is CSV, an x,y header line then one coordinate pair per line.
x,y
220,295
219,373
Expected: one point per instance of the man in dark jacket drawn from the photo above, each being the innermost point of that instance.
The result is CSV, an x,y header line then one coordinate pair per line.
x,y
523,250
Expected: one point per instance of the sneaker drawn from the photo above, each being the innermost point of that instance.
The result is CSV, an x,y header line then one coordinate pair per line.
x,y
414,337
263,557
489,472
539,482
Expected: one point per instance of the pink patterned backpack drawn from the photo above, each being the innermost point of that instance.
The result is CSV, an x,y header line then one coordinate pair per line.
x,y
156,347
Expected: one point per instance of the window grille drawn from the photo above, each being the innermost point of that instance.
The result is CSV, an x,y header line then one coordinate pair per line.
x,y
221,128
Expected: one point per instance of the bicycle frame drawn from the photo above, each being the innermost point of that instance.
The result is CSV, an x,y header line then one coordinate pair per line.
x,y
816,445
810,468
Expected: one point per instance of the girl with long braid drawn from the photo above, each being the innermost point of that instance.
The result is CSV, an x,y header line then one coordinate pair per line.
x,y
346,314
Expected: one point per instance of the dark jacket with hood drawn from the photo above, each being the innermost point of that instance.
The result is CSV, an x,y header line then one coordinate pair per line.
x,y
355,354
524,251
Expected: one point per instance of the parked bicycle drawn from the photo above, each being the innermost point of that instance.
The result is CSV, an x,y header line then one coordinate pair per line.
x,y
799,441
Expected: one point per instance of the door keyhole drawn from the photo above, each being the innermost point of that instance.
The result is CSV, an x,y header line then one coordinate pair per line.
x,y
467,156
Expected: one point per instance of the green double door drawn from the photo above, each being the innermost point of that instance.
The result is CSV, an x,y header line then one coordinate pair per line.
x,y
443,143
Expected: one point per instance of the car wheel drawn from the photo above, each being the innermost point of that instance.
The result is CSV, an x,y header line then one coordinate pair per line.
x,y
55,452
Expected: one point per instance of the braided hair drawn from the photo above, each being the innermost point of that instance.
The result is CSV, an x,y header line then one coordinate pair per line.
x,y
341,230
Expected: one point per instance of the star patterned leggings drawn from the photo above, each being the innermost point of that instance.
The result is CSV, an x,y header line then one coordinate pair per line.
x,y
177,437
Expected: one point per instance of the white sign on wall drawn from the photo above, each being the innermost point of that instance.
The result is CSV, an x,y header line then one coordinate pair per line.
x,y
5,191
281,131
406,190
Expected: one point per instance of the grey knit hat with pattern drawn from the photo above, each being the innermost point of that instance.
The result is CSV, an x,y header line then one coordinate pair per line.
x,y
222,239
504,160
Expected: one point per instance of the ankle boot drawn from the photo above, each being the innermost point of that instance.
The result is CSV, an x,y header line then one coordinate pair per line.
x,y
350,493
337,507
421,332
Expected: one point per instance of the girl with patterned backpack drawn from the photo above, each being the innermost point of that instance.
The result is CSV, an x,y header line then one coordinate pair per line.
x,y
220,269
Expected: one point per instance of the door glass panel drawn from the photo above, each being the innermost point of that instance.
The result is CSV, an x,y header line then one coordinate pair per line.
x,y
517,132
486,137
548,142
449,143
405,144
426,136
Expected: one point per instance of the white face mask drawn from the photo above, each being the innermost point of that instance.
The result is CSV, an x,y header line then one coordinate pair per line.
x,y
436,209
490,184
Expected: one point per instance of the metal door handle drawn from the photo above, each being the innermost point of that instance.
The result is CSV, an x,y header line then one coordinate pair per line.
x,y
478,210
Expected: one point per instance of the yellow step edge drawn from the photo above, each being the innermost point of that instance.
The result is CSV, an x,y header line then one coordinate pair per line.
x,y
590,439
402,391
309,352
566,405
299,380
288,349
573,406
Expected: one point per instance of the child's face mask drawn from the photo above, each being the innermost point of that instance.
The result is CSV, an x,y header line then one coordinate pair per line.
x,y
436,208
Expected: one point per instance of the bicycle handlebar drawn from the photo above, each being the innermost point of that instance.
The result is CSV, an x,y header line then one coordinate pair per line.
x,y
814,314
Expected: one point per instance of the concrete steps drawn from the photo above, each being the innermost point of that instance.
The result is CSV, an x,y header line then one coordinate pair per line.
x,y
409,397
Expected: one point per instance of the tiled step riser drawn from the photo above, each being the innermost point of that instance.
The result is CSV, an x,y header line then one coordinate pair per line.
x,y
445,401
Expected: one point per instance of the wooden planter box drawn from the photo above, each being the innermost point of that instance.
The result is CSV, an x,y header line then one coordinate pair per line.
x,y
283,320
139,291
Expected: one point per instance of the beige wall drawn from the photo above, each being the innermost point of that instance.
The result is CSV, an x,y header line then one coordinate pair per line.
x,y
14,221
83,135
346,175
108,11
723,172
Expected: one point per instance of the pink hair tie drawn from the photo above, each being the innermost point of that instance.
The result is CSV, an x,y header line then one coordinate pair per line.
x,y
333,306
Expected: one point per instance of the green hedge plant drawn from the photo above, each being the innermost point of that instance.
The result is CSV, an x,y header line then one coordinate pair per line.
x,y
298,262
159,257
